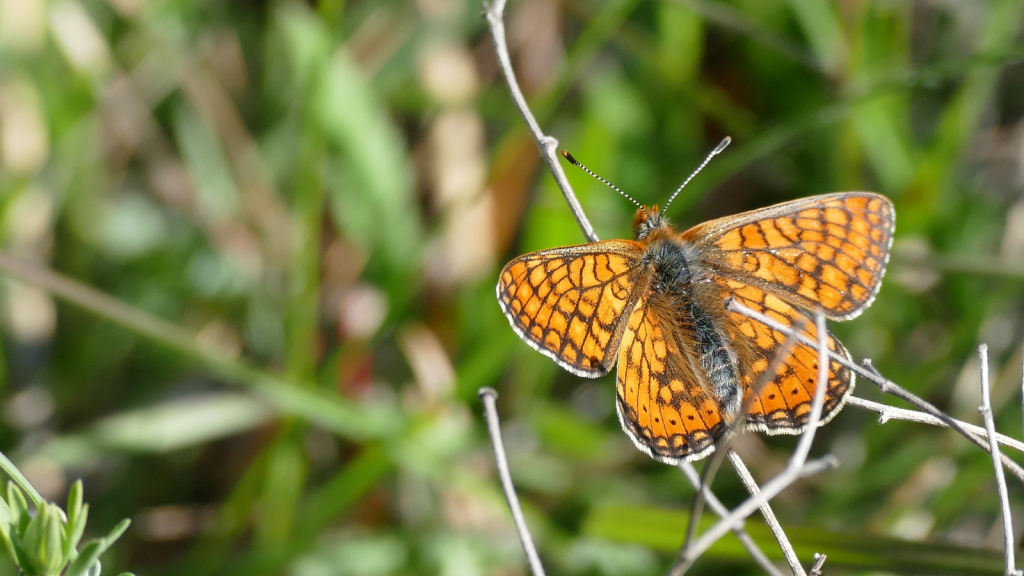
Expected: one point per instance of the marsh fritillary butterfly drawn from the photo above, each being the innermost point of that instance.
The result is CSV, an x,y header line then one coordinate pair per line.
x,y
655,305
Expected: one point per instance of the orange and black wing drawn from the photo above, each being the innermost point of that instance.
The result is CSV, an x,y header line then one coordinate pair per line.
x,y
826,251
663,404
570,303
783,402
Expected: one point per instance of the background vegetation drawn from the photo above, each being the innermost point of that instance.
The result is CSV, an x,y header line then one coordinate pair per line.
x,y
322,193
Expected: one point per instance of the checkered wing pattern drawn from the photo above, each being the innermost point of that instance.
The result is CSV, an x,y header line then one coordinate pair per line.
x,y
826,251
782,404
570,303
664,406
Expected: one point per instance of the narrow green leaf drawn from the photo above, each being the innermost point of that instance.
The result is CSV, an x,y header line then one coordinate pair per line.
x,y
86,558
74,500
182,423
19,507
116,533
92,551
53,554
216,191
7,466
6,517
75,531
75,518
282,487
6,520
378,188
821,25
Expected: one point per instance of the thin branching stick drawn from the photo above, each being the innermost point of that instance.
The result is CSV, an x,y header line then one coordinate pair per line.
x,y
886,413
718,508
722,448
548,145
488,396
819,561
1004,499
797,467
770,490
769,515
723,442
887,386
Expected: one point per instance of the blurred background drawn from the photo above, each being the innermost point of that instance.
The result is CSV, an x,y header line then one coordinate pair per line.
x,y
303,207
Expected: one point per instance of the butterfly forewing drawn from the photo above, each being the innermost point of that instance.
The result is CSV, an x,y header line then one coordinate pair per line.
x,y
826,251
660,401
570,303
782,404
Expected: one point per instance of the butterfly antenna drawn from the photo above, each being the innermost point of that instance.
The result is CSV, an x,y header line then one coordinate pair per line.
x,y
718,150
574,162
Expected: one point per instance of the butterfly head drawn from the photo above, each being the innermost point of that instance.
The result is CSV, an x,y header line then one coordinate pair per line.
x,y
649,219
646,220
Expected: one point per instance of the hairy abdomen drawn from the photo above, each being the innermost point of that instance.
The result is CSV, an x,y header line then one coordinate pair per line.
x,y
698,329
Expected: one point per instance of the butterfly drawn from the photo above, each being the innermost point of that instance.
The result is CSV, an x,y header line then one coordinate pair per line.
x,y
655,305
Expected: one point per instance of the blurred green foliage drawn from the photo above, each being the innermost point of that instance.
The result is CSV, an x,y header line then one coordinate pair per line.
x,y
44,541
298,210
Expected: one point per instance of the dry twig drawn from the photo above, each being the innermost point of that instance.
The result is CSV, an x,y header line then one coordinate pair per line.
x,y
819,561
722,448
1004,499
718,508
798,467
548,145
886,413
769,515
488,396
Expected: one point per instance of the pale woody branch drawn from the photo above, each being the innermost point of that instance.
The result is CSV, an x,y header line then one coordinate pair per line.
x,y
886,413
797,467
1004,499
488,396
718,508
819,561
548,145
722,449
769,515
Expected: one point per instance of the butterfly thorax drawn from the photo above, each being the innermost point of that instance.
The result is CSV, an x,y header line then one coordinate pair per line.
x,y
677,286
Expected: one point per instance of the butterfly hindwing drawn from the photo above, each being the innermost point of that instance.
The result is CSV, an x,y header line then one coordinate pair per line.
x,y
570,303
783,403
664,406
